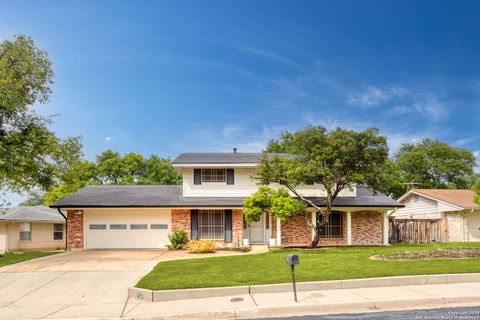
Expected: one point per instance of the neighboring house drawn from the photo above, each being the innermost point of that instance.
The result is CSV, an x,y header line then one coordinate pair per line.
x,y
456,208
31,228
208,205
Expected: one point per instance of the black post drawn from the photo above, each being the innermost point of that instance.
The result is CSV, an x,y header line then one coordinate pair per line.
x,y
293,281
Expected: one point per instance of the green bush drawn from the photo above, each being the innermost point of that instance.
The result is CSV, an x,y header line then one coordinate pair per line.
x,y
201,246
178,239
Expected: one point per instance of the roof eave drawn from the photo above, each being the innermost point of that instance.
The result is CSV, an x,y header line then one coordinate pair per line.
x,y
216,165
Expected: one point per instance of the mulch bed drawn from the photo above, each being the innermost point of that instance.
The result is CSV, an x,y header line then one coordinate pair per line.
x,y
449,253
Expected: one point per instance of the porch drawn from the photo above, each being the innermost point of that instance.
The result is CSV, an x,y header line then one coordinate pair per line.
x,y
347,227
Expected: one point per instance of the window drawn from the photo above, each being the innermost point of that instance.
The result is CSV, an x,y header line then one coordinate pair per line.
x,y
25,231
334,227
211,224
159,226
138,226
118,227
57,231
97,227
214,175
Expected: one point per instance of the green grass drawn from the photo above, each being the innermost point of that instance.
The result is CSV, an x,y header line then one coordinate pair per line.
x,y
11,258
326,264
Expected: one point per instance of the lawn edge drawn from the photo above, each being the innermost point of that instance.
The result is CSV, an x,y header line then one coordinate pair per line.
x,y
196,293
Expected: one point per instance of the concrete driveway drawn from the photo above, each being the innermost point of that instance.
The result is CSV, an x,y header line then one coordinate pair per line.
x,y
74,285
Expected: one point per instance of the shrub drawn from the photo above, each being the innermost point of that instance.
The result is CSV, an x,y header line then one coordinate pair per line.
x,y
201,246
178,239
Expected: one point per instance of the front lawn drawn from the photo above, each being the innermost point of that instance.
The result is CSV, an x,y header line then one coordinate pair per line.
x,y
11,258
315,265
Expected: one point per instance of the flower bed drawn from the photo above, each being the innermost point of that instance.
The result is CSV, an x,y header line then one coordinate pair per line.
x,y
444,253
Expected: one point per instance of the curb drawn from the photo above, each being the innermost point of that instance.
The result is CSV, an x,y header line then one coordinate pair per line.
x,y
324,309
183,294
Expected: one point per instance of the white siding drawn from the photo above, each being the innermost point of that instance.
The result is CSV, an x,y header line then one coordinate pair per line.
x,y
127,238
473,221
456,227
243,186
418,207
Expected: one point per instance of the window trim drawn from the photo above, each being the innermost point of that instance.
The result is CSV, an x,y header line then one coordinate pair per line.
x,y
214,175
327,228
56,232
29,232
211,233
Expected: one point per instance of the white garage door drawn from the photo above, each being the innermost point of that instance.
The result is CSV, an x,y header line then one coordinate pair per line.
x,y
473,227
126,228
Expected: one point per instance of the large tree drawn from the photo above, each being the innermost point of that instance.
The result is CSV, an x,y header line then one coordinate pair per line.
x,y
476,188
112,168
29,151
334,160
435,165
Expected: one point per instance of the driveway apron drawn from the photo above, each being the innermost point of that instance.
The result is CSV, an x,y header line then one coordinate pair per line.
x,y
82,284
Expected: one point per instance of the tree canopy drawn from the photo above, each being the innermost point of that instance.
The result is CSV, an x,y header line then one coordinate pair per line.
x,y
30,154
429,164
112,168
476,188
335,160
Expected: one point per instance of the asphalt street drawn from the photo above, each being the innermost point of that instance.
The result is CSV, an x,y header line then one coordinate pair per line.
x,y
470,313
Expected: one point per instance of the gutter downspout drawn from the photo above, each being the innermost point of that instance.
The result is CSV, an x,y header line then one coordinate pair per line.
x,y
66,222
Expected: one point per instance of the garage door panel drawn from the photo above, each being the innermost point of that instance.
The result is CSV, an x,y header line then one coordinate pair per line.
x,y
127,228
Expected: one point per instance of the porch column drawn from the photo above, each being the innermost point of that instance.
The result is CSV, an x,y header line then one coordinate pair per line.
x,y
349,228
279,232
385,228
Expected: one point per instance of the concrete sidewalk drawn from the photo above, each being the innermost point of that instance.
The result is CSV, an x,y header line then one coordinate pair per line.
x,y
310,302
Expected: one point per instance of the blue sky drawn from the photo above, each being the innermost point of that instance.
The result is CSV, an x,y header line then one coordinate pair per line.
x,y
164,77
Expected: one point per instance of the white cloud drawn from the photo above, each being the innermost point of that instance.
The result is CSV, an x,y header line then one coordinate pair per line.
x,y
476,154
108,138
273,56
373,96
428,105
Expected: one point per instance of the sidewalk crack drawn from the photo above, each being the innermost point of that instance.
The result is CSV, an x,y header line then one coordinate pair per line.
x,y
35,289
52,313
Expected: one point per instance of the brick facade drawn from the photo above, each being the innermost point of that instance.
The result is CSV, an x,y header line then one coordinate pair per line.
x,y
74,230
367,228
237,227
181,220
295,231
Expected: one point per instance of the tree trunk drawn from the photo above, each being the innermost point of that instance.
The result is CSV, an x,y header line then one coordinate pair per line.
x,y
316,238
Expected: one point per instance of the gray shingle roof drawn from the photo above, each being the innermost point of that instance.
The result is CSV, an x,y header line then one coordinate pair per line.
x,y
36,213
171,196
204,158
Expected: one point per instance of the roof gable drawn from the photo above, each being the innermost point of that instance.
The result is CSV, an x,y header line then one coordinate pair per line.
x,y
462,198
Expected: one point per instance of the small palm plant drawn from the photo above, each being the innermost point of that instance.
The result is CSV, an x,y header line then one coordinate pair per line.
x,y
178,239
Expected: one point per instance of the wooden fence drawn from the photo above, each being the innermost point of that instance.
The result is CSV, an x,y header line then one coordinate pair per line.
x,y
417,231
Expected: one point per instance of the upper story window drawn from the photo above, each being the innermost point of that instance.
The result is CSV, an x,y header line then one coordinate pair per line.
x,y
214,175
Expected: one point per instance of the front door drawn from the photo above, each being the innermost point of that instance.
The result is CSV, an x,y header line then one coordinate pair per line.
x,y
257,230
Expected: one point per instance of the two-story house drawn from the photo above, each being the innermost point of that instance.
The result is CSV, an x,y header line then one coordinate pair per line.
x,y
208,205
